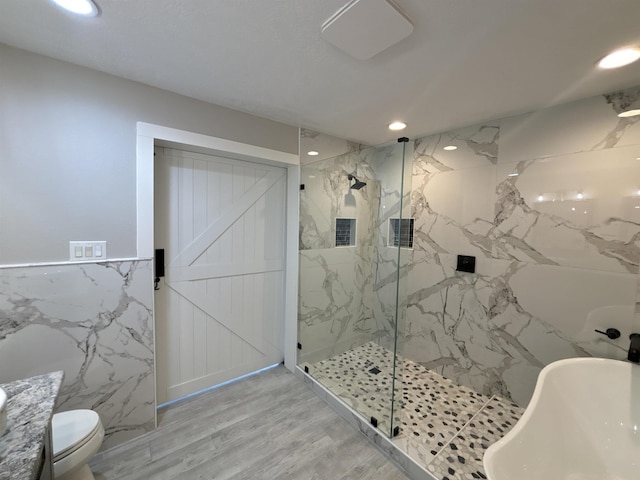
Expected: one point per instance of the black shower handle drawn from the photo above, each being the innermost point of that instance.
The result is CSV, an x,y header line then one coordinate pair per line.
x,y
612,333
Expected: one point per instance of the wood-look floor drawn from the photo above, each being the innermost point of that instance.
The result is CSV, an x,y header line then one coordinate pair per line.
x,y
268,426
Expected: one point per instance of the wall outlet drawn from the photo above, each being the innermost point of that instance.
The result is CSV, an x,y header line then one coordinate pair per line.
x,y
90,250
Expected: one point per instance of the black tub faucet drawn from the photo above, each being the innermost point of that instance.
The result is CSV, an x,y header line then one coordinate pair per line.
x,y
634,348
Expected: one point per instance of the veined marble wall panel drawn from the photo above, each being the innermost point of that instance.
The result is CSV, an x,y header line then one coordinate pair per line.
x,y
546,313
573,210
494,331
94,321
454,210
385,292
590,124
546,275
576,301
447,326
452,195
336,283
327,195
347,294
475,147
326,146
334,311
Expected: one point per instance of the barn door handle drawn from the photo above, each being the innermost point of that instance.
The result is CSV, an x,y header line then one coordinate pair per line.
x,y
158,267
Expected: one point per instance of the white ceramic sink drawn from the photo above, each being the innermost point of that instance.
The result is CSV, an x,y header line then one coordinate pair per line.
x,y
583,423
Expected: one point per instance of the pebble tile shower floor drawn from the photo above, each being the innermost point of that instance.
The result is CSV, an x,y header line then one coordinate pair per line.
x,y
443,426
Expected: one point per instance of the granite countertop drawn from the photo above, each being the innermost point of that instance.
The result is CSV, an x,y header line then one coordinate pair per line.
x,y
29,411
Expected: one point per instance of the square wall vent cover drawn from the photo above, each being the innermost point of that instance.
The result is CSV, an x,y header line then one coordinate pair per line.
x,y
364,28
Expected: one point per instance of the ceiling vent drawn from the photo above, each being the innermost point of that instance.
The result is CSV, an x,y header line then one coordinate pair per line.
x,y
364,28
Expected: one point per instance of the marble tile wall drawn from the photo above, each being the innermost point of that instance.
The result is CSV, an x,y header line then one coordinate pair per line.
x,y
94,321
325,146
549,203
347,294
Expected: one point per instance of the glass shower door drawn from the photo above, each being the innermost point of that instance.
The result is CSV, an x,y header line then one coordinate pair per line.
x,y
350,209
403,232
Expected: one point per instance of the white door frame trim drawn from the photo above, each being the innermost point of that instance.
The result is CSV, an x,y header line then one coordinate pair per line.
x,y
148,135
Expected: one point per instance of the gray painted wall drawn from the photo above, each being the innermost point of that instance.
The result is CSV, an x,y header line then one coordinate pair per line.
x,y
68,152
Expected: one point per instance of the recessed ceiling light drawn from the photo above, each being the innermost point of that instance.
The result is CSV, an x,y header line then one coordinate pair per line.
x,y
512,174
629,113
450,147
81,7
397,126
312,153
620,58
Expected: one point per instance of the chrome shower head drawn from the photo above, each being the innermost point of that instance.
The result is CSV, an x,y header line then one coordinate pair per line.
x,y
357,184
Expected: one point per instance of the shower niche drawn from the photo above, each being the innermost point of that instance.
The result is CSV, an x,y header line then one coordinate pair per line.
x,y
345,232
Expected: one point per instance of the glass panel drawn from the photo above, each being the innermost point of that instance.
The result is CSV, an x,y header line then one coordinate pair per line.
x,y
348,295
403,244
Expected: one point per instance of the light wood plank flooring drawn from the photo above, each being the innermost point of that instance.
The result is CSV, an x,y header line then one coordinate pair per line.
x,y
268,426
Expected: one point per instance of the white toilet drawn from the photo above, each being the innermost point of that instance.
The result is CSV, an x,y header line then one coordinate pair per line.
x,y
76,436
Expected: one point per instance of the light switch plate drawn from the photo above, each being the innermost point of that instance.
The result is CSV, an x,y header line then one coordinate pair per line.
x,y
80,251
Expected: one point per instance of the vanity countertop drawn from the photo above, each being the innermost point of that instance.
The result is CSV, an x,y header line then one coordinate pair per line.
x,y
29,411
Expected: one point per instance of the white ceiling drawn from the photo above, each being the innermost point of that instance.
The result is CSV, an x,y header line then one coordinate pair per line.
x,y
466,61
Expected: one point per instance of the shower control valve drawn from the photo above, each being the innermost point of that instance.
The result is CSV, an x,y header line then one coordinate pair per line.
x,y
612,333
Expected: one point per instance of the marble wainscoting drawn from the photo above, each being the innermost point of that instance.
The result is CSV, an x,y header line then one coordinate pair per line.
x,y
94,322
549,203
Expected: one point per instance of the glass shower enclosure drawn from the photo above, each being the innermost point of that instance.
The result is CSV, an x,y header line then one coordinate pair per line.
x,y
356,235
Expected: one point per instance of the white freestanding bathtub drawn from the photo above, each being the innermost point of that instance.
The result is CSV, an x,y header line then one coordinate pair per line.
x,y
583,423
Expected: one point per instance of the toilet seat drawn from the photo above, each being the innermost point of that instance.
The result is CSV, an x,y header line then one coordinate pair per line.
x,y
71,430
75,436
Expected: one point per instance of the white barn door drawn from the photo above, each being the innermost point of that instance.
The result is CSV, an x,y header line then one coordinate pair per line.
x,y
220,307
